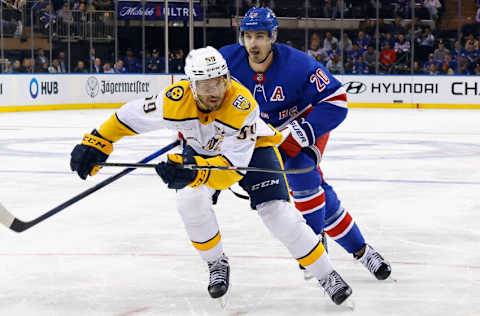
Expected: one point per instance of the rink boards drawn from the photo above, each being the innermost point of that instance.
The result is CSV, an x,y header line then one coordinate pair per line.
x,y
32,92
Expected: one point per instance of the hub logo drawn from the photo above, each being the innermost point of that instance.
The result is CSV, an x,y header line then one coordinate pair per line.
x,y
43,88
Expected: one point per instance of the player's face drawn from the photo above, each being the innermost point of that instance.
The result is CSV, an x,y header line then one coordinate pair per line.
x,y
258,45
211,92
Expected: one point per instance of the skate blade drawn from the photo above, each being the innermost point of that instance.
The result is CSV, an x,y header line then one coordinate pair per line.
x,y
223,300
349,304
307,275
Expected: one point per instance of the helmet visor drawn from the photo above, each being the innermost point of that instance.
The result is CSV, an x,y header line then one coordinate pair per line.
x,y
211,87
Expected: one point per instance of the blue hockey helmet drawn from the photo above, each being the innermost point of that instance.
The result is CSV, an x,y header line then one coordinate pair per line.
x,y
259,19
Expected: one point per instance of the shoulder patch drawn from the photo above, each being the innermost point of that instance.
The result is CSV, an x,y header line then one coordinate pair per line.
x,y
242,103
175,93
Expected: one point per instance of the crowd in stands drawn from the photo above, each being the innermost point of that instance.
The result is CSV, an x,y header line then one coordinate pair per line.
x,y
362,51
130,63
434,52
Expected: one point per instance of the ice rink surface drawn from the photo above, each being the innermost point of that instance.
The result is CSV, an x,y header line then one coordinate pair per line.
x,y
410,179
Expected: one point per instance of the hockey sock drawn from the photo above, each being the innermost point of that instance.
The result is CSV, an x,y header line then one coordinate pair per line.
x,y
342,228
312,207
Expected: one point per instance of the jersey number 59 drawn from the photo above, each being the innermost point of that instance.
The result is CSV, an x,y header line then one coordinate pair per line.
x,y
320,79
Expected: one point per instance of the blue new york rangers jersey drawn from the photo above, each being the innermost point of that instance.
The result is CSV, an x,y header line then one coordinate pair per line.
x,y
291,86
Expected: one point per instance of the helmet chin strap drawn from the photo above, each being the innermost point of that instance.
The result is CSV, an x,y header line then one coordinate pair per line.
x,y
269,52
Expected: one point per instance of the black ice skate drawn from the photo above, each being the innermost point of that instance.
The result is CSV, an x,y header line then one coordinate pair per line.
x,y
219,277
336,287
307,275
375,263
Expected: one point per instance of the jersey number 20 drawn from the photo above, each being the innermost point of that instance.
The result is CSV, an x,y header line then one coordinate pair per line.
x,y
320,79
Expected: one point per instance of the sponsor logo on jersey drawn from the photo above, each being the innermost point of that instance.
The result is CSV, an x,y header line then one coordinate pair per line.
x,y
242,103
175,93
265,184
42,88
355,87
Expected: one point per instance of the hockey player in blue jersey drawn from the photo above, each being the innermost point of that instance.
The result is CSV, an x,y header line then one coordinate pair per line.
x,y
298,96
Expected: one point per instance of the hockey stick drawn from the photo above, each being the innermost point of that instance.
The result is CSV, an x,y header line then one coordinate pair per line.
x,y
7,219
196,167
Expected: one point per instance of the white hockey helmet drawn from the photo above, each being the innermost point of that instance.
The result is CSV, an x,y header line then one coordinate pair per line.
x,y
205,63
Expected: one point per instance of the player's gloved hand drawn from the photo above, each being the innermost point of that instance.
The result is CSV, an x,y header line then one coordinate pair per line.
x,y
173,173
297,135
94,148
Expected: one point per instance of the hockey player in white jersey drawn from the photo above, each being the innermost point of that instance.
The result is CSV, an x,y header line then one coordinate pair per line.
x,y
220,121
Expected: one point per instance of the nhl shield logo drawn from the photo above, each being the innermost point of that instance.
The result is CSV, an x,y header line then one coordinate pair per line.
x,y
92,87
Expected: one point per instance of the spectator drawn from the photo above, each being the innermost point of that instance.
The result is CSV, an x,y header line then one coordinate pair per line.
x,y
416,68
457,51
315,48
41,59
28,64
331,8
387,38
131,62
440,52
80,67
17,66
54,67
402,46
155,63
329,41
61,61
362,40
178,63
449,62
429,63
398,27
401,8
432,7
360,67
469,27
426,43
347,43
107,68
432,70
387,57
97,66
370,57
335,65
119,68
64,15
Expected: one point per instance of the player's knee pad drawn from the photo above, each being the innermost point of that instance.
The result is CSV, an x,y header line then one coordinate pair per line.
x,y
195,205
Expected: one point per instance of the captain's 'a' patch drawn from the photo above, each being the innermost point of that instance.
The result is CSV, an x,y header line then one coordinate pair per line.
x,y
242,103
175,93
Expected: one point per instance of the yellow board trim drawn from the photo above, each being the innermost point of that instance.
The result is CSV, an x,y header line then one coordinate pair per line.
x,y
85,106
60,107
209,244
313,256
415,106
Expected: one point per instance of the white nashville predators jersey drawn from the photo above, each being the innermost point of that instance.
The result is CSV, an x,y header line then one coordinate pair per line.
x,y
233,131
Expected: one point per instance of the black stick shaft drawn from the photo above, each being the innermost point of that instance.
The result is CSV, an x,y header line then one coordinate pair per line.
x,y
20,226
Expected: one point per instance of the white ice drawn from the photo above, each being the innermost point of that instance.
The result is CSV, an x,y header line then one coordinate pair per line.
x,y
410,178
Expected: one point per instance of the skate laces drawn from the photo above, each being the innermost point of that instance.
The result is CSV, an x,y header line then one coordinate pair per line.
x,y
332,283
218,270
372,259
